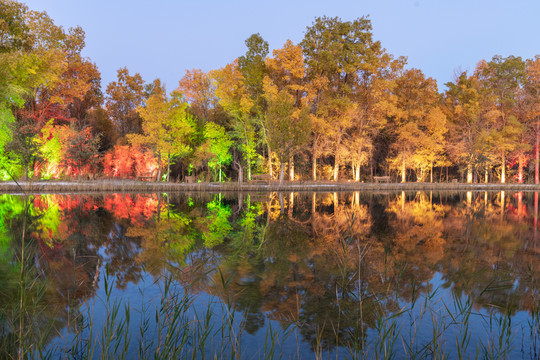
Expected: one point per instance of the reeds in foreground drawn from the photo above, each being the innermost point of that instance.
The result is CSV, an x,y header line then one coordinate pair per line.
x,y
178,325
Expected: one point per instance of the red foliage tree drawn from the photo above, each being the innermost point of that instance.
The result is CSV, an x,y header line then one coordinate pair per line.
x,y
126,161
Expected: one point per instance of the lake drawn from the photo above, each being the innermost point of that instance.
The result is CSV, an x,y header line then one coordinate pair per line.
x,y
270,275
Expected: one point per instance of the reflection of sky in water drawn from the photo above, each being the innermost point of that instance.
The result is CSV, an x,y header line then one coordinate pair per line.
x,y
277,262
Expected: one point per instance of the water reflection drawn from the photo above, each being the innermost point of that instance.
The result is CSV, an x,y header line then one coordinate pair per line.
x,y
319,260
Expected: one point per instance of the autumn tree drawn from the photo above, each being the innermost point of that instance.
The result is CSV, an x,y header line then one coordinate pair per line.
x,y
15,45
81,154
70,84
374,102
78,88
199,91
253,69
124,96
166,126
22,144
286,122
335,52
531,108
100,122
501,80
34,63
237,101
432,149
462,104
418,123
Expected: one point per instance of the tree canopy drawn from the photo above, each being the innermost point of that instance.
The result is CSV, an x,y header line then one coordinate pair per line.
x,y
334,106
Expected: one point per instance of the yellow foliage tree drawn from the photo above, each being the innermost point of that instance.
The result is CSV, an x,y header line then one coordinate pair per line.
x,y
166,127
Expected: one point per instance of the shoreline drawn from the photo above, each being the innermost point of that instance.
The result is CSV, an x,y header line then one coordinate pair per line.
x,y
297,186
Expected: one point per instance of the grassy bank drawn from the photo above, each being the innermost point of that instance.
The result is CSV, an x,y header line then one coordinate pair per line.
x,y
145,186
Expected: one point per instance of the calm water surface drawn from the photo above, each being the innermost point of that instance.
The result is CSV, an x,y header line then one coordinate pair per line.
x,y
327,273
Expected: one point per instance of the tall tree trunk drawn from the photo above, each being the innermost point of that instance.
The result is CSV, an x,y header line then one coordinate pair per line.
x,y
314,168
403,172
240,170
336,169
535,214
249,169
282,173
168,166
270,171
469,173
431,174
487,174
159,167
291,168
503,169
357,174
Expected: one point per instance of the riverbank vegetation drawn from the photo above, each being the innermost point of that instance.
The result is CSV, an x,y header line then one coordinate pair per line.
x,y
335,106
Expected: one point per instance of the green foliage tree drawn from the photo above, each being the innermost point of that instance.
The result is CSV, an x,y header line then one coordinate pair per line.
x,y
30,58
51,141
252,66
22,145
237,101
218,144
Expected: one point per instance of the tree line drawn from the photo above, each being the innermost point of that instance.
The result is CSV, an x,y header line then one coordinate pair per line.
x,y
336,106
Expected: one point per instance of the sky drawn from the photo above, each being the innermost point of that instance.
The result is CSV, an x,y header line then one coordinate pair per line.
x,y
164,38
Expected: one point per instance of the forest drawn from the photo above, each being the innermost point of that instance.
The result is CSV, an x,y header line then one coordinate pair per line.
x,y
334,107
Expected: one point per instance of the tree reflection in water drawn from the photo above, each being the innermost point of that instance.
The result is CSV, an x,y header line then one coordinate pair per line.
x,y
332,264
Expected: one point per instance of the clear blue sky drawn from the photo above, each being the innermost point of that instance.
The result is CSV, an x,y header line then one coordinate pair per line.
x,y
163,38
